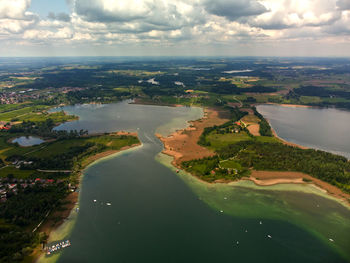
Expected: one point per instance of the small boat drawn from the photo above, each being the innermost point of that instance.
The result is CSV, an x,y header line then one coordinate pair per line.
x,y
225,198
269,236
260,223
221,211
108,204
51,249
331,240
246,231
95,200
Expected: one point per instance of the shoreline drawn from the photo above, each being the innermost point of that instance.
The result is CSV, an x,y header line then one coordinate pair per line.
x,y
72,199
175,146
182,144
291,105
140,101
285,141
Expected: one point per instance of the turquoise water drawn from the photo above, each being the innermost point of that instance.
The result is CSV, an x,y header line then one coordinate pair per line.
x,y
28,140
157,215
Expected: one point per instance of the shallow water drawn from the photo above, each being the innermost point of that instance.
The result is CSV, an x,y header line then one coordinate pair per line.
x,y
157,215
325,129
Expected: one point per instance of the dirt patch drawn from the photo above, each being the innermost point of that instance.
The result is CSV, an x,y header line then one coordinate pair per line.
x,y
182,145
252,122
254,129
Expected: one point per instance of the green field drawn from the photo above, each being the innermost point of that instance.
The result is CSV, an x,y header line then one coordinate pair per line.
x,y
23,174
230,164
55,149
267,139
217,141
10,107
59,147
33,113
8,116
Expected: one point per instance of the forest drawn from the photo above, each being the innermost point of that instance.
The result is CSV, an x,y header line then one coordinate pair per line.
x,y
265,128
45,129
22,211
328,167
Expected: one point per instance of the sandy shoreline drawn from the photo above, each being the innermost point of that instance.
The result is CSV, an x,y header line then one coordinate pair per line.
x,y
284,141
182,146
290,105
58,217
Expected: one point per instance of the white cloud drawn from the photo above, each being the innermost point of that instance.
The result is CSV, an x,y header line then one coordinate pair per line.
x,y
15,9
170,22
297,13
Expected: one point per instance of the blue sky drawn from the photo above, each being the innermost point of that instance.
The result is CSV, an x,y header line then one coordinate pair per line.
x,y
43,7
175,27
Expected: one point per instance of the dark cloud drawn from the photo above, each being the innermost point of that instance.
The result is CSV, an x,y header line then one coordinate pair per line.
x,y
60,17
270,25
94,11
343,4
339,28
234,9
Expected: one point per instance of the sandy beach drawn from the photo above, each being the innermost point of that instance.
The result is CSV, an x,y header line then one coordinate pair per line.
x,y
291,105
276,177
182,145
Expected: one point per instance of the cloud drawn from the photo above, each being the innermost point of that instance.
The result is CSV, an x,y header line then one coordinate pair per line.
x,y
175,23
343,4
60,17
111,11
14,9
14,17
341,27
234,9
295,13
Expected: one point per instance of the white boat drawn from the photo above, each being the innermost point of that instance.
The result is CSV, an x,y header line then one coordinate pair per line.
x,y
331,240
269,236
108,204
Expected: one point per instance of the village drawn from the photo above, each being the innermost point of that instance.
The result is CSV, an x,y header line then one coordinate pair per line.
x,y
10,186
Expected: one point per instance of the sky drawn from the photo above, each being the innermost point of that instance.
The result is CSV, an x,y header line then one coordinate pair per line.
x,y
175,28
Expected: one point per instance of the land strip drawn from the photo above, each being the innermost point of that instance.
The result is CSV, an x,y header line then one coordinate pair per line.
x,y
182,146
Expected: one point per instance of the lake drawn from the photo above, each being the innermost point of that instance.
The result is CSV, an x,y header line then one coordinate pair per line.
x,y
157,215
320,128
28,141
